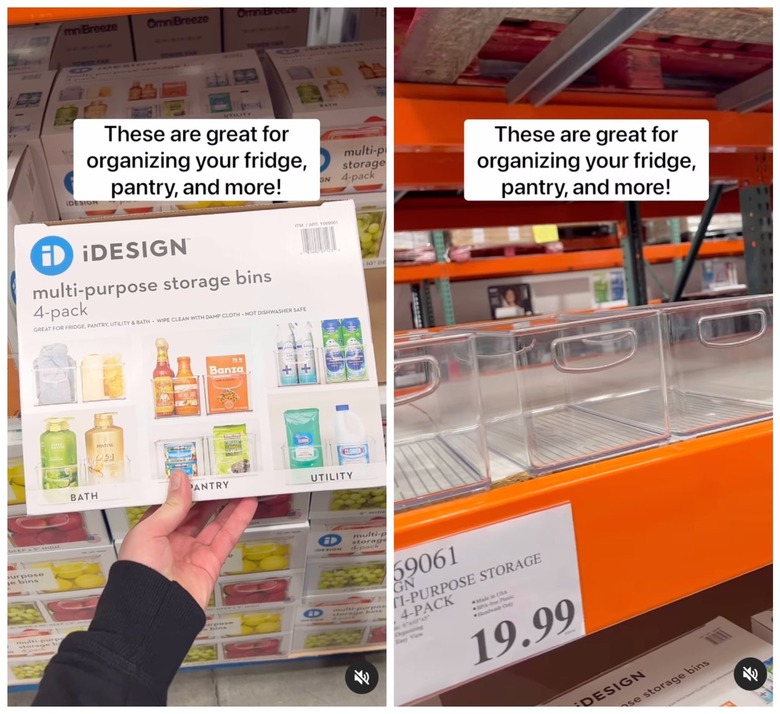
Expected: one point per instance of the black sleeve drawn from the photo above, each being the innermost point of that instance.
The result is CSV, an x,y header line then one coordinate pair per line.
x,y
143,627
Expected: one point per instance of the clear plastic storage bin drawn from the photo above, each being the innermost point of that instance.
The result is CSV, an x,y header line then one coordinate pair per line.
x,y
440,445
591,388
719,363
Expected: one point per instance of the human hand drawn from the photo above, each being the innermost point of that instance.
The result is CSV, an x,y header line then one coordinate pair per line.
x,y
176,541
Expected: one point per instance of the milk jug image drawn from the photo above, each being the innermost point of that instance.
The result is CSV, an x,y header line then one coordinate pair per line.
x,y
304,354
285,355
351,438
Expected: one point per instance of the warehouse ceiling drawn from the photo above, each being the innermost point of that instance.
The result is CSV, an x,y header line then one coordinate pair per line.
x,y
721,53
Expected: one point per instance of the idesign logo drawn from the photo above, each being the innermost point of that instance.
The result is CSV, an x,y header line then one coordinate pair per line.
x,y
51,255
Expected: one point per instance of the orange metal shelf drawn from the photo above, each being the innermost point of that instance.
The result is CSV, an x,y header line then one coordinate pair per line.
x,y
31,15
651,527
556,263
437,124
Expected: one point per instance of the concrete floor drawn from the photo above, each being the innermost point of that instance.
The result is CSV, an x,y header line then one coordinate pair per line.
x,y
317,682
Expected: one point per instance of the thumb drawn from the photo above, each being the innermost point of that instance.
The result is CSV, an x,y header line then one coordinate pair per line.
x,y
171,514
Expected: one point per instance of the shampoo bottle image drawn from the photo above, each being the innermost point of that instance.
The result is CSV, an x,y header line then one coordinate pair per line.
x,y
304,354
354,354
351,438
105,451
304,444
285,355
59,458
335,369
163,381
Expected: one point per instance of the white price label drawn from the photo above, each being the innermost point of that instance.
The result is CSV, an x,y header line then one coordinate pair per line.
x,y
484,599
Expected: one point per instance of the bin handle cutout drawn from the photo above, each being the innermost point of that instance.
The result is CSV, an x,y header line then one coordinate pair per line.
x,y
430,388
559,361
734,343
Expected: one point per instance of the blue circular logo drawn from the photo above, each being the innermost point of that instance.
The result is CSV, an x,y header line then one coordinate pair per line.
x,y
68,181
329,540
80,70
51,255
13,286
313,614
325,159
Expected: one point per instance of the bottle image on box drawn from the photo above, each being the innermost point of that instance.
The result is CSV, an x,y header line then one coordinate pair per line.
x,y
186,400
304,353
105,450
285,355
351,438
354,354
335,88
113,377
335,368
59,456
163,381
304,443
309,93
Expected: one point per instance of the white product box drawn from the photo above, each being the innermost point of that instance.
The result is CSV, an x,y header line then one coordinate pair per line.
x,y
27,191
271,510
345,575
86,43
28,94
264,28
201,275
59,532
356,607
761,625
255,589
183,33
371,210
30,611
221,86
268,549
347,536
59,571
267,647
330,637
354,502
30,46
344,86
371,24
247,621
696,669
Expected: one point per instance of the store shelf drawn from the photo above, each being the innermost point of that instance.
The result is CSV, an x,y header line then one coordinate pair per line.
x,y
32,15
557,263
651,527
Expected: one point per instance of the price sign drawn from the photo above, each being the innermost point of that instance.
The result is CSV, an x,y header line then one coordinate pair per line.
x,y
481,600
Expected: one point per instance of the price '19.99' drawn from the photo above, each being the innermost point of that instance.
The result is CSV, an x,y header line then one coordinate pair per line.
x,y
505,632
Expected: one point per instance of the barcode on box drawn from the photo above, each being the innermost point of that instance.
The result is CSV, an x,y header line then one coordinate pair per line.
x,y
717,637
318,240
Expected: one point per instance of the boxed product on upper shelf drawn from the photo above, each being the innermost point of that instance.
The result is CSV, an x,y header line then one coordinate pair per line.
x,y
27,191
258,588
218,86
344,86
264,28
183,33
36,641
89,42
28,93
246,620
338,637
346,574
696,669
271,394
30,46
268,549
